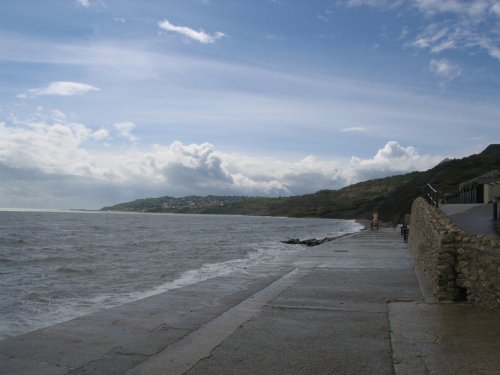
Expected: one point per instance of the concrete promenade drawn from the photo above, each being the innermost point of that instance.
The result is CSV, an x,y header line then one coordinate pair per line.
x,y
473,218
351,306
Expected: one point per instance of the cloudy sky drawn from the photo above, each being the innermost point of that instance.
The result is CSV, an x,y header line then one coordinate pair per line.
x,y
104,101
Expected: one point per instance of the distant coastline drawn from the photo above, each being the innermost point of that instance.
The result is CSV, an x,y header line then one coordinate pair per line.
x,y
391,197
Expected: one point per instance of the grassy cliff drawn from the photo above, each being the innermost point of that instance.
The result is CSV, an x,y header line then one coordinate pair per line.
x,y
391,196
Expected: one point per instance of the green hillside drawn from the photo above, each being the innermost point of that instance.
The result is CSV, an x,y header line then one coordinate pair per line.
x,y
391,196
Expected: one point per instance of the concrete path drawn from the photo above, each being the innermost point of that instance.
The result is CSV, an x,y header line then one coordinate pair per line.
x,y
473,218
352,306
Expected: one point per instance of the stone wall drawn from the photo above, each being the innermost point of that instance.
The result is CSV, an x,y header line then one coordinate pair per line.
x,y
460,265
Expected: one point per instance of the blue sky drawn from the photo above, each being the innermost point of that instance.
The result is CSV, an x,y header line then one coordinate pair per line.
x,y
103,101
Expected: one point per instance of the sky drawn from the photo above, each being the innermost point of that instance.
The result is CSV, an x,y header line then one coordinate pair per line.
x,y
106,101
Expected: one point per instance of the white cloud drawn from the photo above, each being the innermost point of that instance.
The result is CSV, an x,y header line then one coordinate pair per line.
x,y
489,45
496,8
450,24
58,157
194,166
445,69
392,159
100,134
83,3
124,129
431,7
57,115
474,8
60,88
460,36
375,3
354,129
48,149
326,16
459,25
200,35
432,35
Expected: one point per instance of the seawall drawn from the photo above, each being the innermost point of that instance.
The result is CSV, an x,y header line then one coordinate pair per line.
x,y
460,265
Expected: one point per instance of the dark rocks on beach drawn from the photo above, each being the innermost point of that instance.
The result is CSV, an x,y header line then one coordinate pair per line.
x,y
309,242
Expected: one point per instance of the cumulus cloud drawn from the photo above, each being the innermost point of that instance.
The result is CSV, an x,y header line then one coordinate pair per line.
x,y
198,35
392,159
194,166
55,159
48,149
60,88
445,69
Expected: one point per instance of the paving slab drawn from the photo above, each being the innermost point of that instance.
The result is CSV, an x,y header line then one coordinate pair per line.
x,y
366,290
14,365
305,341
444,339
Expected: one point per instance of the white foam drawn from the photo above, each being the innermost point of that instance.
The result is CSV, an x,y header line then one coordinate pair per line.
x,y
263,254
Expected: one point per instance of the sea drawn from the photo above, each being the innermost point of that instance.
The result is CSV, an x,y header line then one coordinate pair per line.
x,y
59,265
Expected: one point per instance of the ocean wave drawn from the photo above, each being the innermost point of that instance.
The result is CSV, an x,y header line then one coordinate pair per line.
x,y
260,254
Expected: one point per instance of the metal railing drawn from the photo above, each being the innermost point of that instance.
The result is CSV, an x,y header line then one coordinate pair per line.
x,y
432,195
461,197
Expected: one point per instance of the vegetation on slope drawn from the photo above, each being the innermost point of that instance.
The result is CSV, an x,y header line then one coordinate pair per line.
x,y
391,196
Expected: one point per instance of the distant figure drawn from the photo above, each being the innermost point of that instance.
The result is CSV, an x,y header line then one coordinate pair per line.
x,y
375,220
